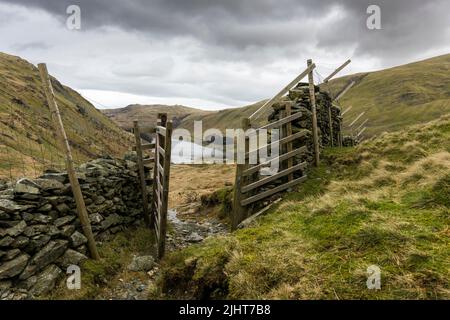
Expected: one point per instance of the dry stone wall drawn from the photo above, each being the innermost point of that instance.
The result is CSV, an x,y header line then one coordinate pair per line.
x,y
40,234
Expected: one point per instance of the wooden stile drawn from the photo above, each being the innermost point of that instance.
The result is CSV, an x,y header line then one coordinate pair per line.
x,y
62,137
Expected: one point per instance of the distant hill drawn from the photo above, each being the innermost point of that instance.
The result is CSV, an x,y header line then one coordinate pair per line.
x,y
147,114
397,97
27,139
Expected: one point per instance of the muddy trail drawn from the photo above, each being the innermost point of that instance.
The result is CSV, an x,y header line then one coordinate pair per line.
x,y
184,230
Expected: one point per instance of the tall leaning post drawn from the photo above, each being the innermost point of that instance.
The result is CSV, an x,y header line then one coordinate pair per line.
x,y
312,96
62,137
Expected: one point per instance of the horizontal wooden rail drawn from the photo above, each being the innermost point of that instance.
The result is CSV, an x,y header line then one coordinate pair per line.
x,y
268,179
280,158
161,130
281,141
268,193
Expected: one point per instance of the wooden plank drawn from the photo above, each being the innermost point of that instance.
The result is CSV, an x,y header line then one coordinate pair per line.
x,y
161,151
281,141
287,120
312,97
141,172
161,130
62,137
330,123
283,157
283,91
239,211
343,92
289,144
165,197
356,119
279,175
268,193
335,72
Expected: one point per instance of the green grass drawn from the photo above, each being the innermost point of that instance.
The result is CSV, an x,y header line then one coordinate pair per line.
x,y
26,129
363,206
398,97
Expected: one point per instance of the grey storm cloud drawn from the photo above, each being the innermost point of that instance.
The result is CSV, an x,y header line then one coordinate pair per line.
x,y
237,24
226,52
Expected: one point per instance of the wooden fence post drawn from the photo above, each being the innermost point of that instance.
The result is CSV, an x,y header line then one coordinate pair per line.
x,y
166,179
312,96
330,120
239,211
62,137
137,135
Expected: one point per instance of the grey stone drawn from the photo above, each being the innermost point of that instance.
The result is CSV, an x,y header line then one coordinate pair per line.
x,y
17,229
20,242
194,237
63,221
62,208
67,230
77,239
4,216
45,208
14,267
6,241
141,263
32,231
60,177
95,218
49,184
111,220
52,251
25,185
42,218
9,206
37,242
71,257
46,280
11,254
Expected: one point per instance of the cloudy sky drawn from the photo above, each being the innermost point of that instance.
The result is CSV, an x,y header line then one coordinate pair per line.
x,y
213,54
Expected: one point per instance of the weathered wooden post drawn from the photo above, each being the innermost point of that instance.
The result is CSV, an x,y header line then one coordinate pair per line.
x,y
289,144
166,179
312,96
137,135
239,211
330,121
62,137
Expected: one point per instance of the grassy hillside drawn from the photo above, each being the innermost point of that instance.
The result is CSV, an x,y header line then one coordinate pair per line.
x,y
223,119
148,114
27,137
384,203
398,97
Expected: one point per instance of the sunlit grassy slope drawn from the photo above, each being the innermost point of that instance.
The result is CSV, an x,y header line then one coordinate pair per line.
x,y
27,137
397,97
385,203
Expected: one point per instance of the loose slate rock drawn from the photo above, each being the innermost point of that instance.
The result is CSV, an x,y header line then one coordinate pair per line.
x,y
77,239
14,267
142,263
46,280
27,186
71,257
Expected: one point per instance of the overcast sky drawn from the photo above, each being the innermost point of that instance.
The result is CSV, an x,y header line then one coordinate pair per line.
x,y
213,54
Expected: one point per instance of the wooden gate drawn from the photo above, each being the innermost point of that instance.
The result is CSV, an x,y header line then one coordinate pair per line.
x,y
250,185
155,213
